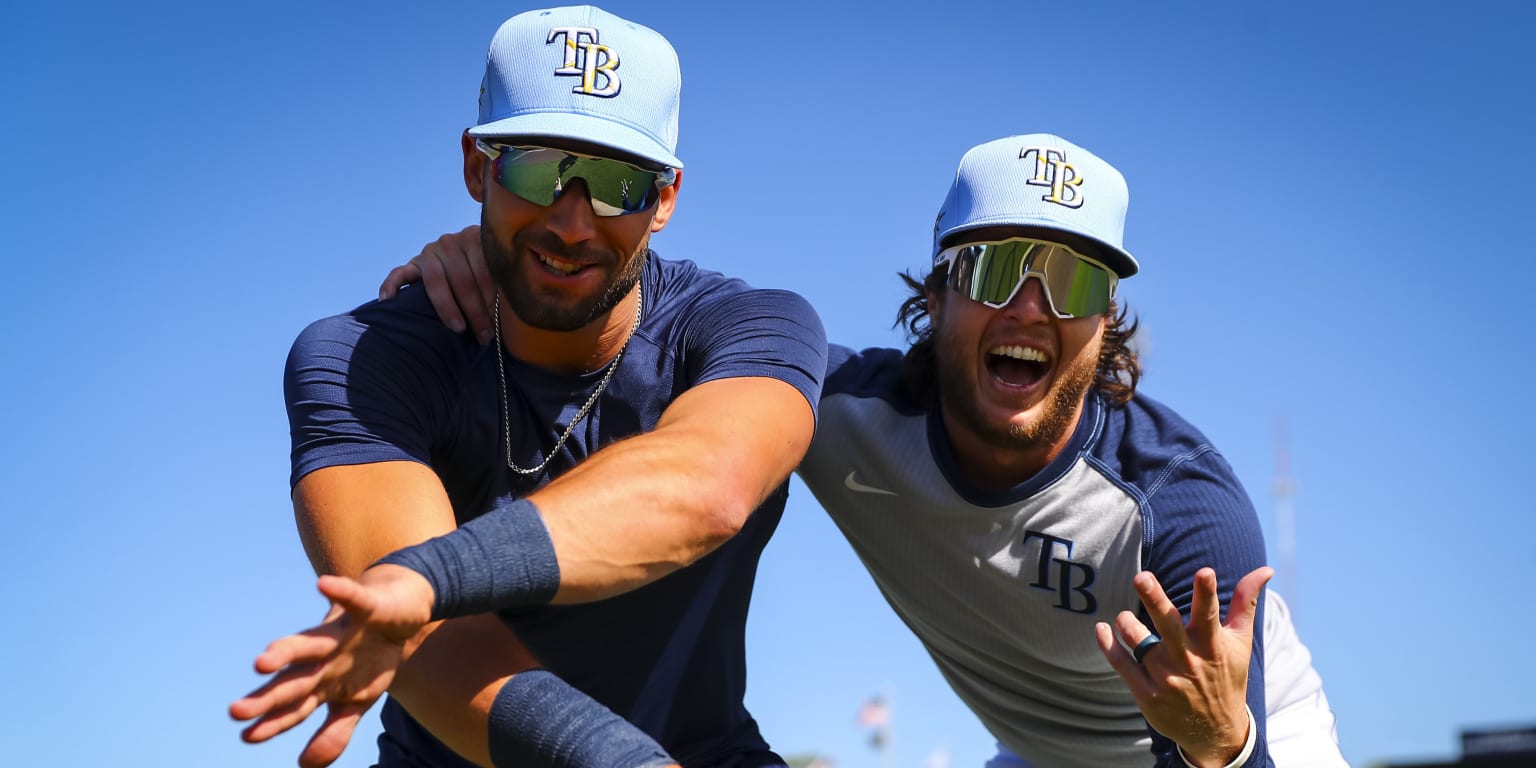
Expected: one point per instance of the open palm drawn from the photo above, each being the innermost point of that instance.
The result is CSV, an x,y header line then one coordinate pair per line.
x,y
346,662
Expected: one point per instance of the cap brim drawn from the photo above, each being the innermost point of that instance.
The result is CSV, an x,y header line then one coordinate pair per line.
x,y
1116,258
581,127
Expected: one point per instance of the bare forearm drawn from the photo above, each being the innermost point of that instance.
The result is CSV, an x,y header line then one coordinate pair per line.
x,y
450,682
632,512
350,516
681,491
673,508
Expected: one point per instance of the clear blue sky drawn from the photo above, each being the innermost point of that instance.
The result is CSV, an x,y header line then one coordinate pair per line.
x,y
1326,201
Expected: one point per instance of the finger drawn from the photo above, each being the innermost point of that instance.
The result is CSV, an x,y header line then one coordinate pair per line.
x,y
470,239
281,691
463,262
1166,620
1245,600
1143,642
402,275
280,720
435,278
311,645
1120,660
1204,610
480,322
1131,630
332,738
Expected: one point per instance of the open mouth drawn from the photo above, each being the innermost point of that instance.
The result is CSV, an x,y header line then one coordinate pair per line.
x,y
1017,366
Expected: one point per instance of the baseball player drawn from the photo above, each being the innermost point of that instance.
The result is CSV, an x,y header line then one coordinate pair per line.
x,y
572,515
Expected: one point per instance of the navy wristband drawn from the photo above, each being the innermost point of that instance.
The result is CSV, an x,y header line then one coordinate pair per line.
x,y
540,720
501,559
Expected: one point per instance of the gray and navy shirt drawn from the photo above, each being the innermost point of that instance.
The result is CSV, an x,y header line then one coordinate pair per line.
x,y
1004,588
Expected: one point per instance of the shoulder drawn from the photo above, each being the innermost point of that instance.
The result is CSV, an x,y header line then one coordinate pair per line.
x,y
1144,443
382,382
874,372
1181,480
706,326
408,316
1194,509
685,292
863,407
403,332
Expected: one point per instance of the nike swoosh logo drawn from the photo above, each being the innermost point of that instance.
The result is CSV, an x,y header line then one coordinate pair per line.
x,y
854,485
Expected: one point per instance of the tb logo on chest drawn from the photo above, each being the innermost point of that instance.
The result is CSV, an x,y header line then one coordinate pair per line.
x,y
1069,580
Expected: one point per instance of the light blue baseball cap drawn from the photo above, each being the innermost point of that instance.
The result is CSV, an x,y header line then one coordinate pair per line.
x,y
1039,180
582,73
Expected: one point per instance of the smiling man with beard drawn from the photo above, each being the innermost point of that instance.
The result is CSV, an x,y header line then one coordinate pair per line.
x,y
556,532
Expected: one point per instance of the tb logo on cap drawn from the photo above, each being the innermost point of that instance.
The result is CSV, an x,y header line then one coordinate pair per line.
x,y
1052,170
586,59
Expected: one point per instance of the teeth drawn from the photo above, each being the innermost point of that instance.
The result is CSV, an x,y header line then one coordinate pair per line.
x,y
1020,353
563,267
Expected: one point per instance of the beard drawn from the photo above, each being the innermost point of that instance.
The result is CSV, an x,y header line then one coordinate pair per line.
x,y
1058,409
549,312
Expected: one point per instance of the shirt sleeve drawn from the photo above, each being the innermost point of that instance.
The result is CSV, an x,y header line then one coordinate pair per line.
x,y
760,332
1201,516
362,388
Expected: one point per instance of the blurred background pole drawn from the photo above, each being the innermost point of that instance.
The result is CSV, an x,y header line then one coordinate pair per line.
x,y
1285,517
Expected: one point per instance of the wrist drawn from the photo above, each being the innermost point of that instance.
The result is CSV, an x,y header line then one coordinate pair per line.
x,y
1225,758
539,719
411,588
501,559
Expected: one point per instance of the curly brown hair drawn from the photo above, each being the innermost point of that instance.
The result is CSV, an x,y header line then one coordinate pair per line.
x,y
1118,371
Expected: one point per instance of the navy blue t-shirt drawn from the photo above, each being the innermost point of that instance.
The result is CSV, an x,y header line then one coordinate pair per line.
x,y
388,381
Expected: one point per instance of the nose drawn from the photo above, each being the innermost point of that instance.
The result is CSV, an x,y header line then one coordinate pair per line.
x,y
570,215
1030,303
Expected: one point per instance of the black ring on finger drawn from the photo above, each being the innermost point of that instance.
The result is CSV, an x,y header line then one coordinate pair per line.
x,y
1145,646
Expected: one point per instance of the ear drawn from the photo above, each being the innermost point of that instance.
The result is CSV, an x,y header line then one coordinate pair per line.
x,y
935,303
474,167
666,203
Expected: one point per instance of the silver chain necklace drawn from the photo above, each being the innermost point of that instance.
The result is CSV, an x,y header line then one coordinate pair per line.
x,y
501,371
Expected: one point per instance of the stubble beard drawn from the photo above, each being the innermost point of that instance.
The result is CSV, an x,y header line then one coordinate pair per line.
x,y
554,313
1059,409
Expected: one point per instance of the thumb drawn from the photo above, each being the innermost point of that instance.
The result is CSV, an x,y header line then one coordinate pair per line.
x,y
351,596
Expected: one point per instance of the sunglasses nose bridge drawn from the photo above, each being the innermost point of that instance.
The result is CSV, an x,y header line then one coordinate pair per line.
x,y
1031,296
570,214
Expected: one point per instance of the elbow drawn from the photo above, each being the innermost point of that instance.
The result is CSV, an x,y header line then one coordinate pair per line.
x,y
726,493
721,522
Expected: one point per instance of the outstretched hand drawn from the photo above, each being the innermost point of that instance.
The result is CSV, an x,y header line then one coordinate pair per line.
x,y
1192,687
453,272
346,663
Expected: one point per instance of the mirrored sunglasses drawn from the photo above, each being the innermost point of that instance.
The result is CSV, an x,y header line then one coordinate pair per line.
x,y
992,273
539,175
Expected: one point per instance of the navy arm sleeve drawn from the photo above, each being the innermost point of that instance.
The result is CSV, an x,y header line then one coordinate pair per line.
x,y
1199,516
